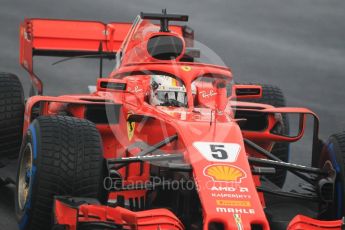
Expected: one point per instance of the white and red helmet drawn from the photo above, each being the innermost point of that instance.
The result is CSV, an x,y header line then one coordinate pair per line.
x,y
167,91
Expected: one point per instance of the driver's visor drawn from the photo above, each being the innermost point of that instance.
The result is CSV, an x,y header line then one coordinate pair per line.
x,y
165,96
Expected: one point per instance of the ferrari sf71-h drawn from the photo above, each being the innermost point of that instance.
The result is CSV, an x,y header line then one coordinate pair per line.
x,y
163,142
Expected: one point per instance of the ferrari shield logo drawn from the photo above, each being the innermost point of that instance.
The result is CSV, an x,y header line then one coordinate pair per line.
x,y
130,128
186,68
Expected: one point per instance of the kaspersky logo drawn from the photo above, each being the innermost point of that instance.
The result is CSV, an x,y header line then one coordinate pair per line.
x,y
225,173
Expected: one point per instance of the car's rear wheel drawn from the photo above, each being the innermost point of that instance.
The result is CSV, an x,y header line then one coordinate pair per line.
x,y
334,153
273,95
11,115
60,156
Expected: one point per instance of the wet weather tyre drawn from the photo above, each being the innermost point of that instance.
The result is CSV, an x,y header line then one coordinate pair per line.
x,y
273,95
334,152
60,155
11,115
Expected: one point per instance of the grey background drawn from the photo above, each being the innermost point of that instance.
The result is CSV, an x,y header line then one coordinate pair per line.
x,y
298,45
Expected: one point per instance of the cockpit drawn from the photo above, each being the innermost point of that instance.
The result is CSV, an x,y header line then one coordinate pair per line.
x,y
168,90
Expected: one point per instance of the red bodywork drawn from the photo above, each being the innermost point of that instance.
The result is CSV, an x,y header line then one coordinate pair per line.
x,y
144,220
232,199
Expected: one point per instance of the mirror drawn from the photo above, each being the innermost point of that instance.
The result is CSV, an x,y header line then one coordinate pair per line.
x,y
134,91
246,91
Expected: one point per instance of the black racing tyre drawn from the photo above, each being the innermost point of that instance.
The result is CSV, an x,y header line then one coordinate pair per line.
x,y
60,155
334,153
11,115
273,95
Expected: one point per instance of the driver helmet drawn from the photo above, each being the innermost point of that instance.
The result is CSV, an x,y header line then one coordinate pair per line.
x,y
167,91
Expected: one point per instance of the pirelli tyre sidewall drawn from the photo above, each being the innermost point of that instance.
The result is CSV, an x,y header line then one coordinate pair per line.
x,y
66,159
30,140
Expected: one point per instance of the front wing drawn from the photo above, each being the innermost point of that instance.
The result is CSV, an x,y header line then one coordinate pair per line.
x,y
83,213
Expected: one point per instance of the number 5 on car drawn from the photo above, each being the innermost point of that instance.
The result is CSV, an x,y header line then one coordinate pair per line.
x,y
218,151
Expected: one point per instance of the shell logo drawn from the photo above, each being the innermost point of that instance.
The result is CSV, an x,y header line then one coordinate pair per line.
x,y
226,173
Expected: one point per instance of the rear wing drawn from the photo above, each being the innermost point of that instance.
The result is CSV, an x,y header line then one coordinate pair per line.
x,y
69,38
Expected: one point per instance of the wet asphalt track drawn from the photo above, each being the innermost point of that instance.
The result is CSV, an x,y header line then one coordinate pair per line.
x,y
296,44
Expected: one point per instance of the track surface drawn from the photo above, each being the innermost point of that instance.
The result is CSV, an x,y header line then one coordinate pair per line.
x,y
298,45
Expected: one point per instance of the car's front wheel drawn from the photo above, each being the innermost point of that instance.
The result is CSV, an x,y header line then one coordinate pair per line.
x,y
60,156
334,154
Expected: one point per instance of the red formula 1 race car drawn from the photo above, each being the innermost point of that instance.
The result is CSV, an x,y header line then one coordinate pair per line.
x,y
164,142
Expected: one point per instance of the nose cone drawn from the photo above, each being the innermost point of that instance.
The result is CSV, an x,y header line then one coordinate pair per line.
x,y
225,184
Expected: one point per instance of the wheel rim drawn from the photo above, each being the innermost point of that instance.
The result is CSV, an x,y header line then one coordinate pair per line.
x,y
24,178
